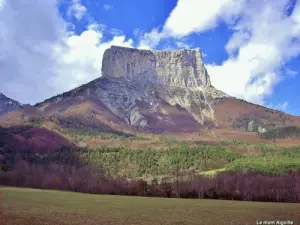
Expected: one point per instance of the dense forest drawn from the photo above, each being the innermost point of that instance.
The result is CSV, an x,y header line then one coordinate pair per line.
x,y
36,157
245,186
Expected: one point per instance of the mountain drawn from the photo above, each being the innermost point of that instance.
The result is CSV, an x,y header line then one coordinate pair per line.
x,y
8,104
152,91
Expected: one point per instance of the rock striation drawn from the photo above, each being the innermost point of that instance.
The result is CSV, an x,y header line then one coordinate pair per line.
x,y
178,77
154,91
177,68
149,90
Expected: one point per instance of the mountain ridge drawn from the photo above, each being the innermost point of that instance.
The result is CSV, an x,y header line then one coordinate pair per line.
x,y
180,68
143,97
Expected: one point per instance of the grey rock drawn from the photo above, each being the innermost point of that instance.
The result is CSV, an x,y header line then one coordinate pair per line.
x,y
150,89
250,126
261,130
177,76
179,68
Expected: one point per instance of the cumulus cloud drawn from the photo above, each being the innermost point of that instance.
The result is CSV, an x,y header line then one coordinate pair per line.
x,y
196,16
193,16
82,60
26,59
151,39
282,106
77,9
264,38
238,39
44,58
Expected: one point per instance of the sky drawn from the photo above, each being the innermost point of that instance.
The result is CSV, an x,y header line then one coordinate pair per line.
x,y
251,48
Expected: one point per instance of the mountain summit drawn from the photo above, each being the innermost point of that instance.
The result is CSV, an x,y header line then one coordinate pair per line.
x,y
154,91
177,68
176,78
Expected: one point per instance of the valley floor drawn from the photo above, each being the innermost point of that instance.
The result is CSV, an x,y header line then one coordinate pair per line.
x,y
45,207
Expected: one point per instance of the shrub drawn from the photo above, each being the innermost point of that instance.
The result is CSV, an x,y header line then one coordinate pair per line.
x,y
270,165
283,132
226,185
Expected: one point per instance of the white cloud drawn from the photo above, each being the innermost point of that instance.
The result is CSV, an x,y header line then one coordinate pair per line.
x,y
96,26
264,39
115,31
151,39
282,106
182,44
43,58
190,16
107,7
193,16
82,60
238,39
26,59
290,72
77,9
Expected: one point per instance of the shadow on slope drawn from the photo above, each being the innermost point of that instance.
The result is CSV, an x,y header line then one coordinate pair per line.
x,y
35,145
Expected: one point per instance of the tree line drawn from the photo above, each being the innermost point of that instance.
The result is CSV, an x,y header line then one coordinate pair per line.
x,y
246,186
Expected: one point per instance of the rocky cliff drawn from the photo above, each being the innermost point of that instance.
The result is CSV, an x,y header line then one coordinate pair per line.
x,y
156,91
177,77
149,90
177,68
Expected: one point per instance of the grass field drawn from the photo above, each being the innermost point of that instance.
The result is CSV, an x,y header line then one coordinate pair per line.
x,y
44,207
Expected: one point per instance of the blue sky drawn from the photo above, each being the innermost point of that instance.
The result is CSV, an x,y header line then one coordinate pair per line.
x,y
251,48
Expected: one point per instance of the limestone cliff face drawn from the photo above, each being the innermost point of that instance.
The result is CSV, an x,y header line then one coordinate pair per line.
x,y
178,68
156,91
178,77
152,90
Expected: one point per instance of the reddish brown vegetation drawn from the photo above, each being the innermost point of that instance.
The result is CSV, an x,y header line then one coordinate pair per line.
x,y
89,111
37,145
38,140
226,185
229,109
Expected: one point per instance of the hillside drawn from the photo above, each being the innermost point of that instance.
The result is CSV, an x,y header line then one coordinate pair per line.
x,y
137,94
34,145
231,113
8,104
